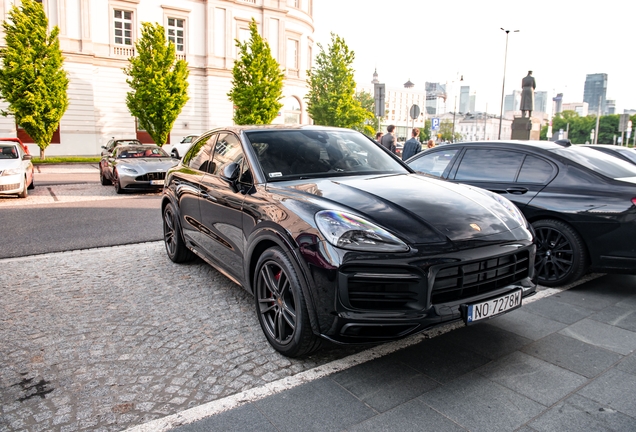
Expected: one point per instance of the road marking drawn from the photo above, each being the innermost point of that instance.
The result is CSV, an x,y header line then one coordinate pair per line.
x,y
52,194
252,395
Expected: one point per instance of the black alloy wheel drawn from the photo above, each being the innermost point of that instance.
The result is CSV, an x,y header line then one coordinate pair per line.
x,y
118,187
281,307
561,256
175,154
173,238
102,179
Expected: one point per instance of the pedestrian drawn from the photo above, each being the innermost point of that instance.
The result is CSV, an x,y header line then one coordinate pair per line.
x,y
412,146
378,137
388,140
430,144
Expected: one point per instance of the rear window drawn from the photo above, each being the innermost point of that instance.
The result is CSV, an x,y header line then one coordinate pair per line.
x,y
602,163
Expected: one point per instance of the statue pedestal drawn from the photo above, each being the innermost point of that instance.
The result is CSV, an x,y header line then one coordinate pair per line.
x,y
526,128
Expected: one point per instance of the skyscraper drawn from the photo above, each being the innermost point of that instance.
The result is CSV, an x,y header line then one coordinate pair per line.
x,y
464,99
541,101
595,89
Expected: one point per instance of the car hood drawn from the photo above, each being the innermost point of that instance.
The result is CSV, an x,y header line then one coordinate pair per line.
x,y
419,209
149,164
10,163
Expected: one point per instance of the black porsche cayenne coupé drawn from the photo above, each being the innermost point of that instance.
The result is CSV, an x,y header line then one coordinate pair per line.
x,y
338,239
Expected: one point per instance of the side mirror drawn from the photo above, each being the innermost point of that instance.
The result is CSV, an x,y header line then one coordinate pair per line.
x,y
104,147
26,157
231,174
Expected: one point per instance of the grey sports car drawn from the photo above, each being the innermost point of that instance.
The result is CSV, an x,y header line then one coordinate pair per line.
x,y
135,167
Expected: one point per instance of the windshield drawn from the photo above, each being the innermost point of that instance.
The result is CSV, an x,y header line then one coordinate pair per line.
x,y
8,151
288,154
140,152
602,163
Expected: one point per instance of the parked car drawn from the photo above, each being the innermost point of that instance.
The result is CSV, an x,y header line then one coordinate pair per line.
x,y
19,142
135,167
625,153
338,239
178,150
580,201
16,169
111,144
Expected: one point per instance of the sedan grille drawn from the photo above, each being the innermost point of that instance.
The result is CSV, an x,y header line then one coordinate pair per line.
x,y
471,279
9,186
151,176
382,289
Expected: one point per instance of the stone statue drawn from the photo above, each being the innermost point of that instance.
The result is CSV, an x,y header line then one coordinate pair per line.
x,y
527,94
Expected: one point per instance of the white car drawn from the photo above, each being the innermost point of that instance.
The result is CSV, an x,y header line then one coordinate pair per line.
x,y
16,170
178,150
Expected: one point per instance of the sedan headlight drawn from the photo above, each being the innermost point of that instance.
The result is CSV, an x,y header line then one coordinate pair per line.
x,y
12,171
509,206
129,170
347,231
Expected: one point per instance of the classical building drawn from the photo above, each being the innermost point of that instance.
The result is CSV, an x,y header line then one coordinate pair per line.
x,y
98,36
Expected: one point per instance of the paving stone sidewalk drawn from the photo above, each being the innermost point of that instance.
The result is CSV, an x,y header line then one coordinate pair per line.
x,y
109,338
562,363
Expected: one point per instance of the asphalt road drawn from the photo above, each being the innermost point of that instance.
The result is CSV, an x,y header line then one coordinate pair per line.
x,y
69,211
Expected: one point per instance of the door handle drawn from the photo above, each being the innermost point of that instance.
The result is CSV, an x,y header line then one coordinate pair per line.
x,y
517,190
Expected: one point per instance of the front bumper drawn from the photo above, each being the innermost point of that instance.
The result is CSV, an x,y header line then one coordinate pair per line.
x,y
376,300
145,181
11,184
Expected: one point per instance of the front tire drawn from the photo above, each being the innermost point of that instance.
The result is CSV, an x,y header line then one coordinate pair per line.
x,y
561,255
175,154
118,187
173,236
102,179
280,305
25,192
32,184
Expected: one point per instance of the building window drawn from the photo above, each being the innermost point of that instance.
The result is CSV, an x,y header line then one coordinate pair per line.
x,y
310,57
292,110
123,27
293,3
176,33
292,56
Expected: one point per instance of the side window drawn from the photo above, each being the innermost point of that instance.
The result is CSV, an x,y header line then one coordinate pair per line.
x,y
535,170
489,165
200,154
227,150
434,163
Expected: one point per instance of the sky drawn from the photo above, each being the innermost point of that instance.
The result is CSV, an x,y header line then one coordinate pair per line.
x,y
559,40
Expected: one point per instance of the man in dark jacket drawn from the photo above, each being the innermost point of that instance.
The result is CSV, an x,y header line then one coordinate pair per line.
x,y
388,139
412,146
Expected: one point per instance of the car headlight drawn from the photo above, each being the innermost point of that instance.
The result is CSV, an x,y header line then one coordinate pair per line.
x,y
129,170
12,171
509,206
347,231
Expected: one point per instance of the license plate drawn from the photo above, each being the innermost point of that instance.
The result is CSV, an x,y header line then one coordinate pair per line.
x,y
493,307
156,182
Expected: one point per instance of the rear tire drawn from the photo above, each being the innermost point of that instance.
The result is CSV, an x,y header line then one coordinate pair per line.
x,y
281,307
561,254
173,236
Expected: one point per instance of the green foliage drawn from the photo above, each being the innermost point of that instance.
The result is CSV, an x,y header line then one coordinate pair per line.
x,y
446,132
331,98
159,83
257,83
66,159
579,128
425,132
367,102
32,80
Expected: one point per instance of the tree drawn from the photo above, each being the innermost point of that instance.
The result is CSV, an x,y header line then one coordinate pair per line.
x,y
159,83
32,80
367,102
331,98
257,83
425,132
445,132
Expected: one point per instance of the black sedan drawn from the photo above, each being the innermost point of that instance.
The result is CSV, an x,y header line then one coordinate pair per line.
x,y
338,239
580,201
625,153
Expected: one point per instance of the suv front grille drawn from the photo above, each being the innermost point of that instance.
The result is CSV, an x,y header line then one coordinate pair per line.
x,y
470,279
382,289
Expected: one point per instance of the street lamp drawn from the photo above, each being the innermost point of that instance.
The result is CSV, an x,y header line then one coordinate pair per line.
x,y
504,79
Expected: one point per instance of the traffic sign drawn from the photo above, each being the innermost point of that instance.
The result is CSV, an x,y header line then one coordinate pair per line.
x,y
414,112
379,93
622,123
435,123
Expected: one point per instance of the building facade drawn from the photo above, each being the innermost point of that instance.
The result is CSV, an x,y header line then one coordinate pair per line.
x,y
581,108
98,36
595,92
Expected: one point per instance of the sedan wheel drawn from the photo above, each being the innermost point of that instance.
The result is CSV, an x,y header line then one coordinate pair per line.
x,y
175,154
173,237
118,187
25,192
561,256
102,179
281,307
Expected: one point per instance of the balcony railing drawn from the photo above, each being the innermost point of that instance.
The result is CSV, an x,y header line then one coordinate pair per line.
x,y
123,51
